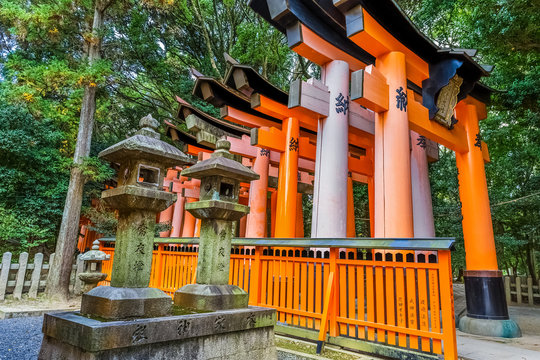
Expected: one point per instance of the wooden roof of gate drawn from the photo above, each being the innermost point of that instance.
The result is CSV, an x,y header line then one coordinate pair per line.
x,y
336,22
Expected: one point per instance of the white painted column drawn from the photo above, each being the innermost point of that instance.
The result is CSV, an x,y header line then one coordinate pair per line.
x,y
330,193
421,191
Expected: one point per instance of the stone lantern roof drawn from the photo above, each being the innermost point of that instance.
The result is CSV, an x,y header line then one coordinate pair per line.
x,y
221,163
146,145
95,254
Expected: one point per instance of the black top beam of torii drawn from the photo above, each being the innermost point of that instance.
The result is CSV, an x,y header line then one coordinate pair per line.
x,y
334,20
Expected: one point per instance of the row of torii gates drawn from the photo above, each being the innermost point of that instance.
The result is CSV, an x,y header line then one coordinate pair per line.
x,y
387,98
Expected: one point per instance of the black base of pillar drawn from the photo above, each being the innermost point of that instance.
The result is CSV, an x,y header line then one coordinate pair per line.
x,y
484,292
487,311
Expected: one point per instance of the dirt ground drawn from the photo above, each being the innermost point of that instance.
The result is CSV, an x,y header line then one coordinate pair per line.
x,y
16,308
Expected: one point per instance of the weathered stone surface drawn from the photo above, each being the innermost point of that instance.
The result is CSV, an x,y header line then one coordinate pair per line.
x,y
244,345
216,209
214,252
221,164
211,297
495,328
132,264
122,303
239,334
132,198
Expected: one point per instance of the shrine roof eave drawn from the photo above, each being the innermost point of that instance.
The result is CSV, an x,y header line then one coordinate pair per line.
x,y
328,22
224,125
257,83
224,95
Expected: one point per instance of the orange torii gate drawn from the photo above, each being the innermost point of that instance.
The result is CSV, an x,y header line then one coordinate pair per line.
x,y
206,132
239,108
410,84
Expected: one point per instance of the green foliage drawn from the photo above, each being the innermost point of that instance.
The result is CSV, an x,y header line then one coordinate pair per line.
x,y
33,179
361,210
95,169
102,220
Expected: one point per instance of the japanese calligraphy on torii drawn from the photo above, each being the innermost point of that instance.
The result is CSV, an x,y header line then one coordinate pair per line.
x,y
342,104
401,99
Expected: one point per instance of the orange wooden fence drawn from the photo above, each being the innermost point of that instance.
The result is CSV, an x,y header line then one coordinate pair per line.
x,y
396,293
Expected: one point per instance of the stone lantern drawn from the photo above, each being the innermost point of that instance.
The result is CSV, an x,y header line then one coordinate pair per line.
x,y
93,263
217,208
143,160
143,326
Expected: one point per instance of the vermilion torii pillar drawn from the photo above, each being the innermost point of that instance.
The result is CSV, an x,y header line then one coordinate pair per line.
x,y
287,143
191,194
396,161
484,287
178,216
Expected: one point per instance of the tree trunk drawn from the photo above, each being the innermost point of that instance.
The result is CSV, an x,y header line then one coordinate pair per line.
x,y
531,259
60,270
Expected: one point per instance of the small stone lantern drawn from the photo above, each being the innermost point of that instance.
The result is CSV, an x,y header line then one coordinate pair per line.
x,y
93,263
143,160
217,208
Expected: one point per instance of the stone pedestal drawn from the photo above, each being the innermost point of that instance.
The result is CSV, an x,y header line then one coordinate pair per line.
x,y
122,303
232,334
211,297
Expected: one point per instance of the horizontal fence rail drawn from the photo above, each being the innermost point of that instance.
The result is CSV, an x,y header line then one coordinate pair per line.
x,y
396,293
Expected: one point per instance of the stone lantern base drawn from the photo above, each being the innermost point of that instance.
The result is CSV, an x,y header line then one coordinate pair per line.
x,y
240,334
117,303
211,297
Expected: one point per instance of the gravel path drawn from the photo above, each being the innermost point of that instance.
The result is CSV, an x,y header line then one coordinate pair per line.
x,y
20,338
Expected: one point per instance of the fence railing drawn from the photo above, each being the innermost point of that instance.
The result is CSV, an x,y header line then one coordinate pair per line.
x,y
30,278
521,290
394,295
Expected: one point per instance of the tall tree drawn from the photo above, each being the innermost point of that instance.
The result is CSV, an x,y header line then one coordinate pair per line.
x,y
60,270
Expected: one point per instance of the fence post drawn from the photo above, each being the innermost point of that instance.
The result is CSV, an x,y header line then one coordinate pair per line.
x,y
447,305
4,275
507,289
21,274
530,290
255,277
518,289
334,303
36,276
158,270
326,307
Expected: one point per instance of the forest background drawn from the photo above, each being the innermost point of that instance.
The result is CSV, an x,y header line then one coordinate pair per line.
x,y
147,48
